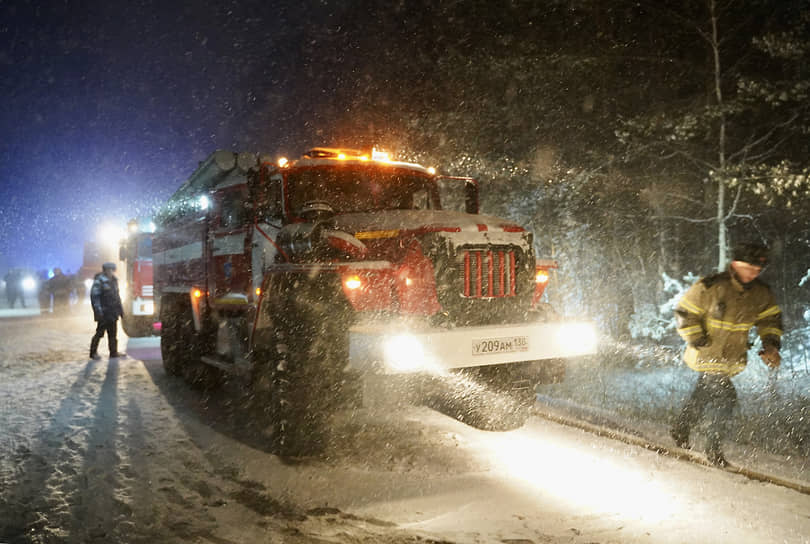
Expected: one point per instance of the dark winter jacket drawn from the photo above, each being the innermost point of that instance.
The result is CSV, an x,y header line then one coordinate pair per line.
x,y
715,316
60,285
105,298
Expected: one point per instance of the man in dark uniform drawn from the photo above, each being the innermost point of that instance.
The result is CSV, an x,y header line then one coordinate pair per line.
x,y
60,287
714,318
107,308
14,288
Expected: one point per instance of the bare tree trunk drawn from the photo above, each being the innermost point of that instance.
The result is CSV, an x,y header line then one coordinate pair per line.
x,y
722,228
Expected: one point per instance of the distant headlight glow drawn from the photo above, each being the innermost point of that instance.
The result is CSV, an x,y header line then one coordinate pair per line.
x,y
29,284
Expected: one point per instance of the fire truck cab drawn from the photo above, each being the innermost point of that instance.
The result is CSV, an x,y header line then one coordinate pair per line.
x,y
318,278
137,288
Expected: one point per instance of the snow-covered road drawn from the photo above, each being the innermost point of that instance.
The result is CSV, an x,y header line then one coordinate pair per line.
x,y
116,451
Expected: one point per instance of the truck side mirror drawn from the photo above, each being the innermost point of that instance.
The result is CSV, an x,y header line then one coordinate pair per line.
x,y
273,209
471,196
265,192
458,193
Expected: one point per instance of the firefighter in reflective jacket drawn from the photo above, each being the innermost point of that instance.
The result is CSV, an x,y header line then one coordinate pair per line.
x,y
714,317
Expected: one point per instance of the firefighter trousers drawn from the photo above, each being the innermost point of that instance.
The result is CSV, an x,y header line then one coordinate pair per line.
x,y
717,390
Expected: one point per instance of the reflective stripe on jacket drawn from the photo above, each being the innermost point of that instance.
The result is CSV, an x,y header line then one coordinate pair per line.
x,y
715,316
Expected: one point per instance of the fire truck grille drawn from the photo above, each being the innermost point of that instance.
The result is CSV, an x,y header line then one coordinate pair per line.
x,y
488,273
484,284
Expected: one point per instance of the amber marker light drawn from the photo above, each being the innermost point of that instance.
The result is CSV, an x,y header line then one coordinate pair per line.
x,y
353,282
196,293
282,162
258,291
381,156
541,276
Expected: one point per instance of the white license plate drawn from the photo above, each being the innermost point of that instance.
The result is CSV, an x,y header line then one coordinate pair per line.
x,y
506,344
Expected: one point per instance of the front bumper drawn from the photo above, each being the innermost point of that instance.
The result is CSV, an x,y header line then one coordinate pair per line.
x,y
143,307
397,349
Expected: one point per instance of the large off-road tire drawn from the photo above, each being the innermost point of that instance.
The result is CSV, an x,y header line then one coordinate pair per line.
x,y
298,365
493,398
171,336
182,346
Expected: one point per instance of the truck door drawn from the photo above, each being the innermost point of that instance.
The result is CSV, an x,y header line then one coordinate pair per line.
x,y
265,196
229,278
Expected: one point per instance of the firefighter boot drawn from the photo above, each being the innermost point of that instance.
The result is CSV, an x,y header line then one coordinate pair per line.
x,y
715,455
114,353
94,349
680,434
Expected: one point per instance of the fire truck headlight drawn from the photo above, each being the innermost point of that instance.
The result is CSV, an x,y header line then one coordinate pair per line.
x,y
404,353
581,335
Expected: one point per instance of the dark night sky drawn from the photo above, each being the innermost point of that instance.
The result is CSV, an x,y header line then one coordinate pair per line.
x,y
106,107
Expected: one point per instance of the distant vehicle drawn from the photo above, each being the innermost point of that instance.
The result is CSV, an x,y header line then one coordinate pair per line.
x,y
135,278
342,274
94,256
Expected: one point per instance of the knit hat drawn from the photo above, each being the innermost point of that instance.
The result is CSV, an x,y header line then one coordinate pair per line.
x,y
108,266
751,253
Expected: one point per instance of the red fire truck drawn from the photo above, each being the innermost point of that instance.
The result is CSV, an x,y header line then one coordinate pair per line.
x,y
95,254
344,273
137,293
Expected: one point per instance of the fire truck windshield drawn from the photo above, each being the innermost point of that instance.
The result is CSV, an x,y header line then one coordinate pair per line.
x,y
362,189
144,246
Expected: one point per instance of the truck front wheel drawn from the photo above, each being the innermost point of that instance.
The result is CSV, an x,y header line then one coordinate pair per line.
x,y
298,367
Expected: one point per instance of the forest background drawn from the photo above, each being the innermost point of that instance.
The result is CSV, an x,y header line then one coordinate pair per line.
x,y
639,140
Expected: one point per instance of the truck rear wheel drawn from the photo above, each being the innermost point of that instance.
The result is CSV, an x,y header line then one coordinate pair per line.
x,y
171,336
182,346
